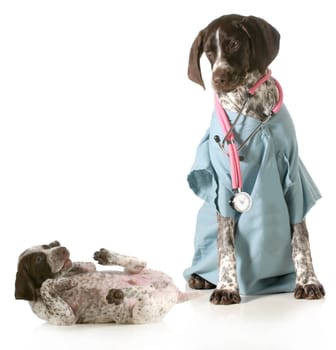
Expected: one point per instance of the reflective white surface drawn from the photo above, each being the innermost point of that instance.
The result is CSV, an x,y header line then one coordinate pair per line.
x,y
258,323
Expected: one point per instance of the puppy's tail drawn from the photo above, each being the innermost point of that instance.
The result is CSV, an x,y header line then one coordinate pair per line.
x,y
183,297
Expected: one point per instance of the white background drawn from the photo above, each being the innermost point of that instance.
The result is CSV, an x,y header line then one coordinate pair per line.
x,y
98,130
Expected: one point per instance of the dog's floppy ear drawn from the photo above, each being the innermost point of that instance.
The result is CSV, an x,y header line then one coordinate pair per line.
x,y
265,41
194,67
24,285
52,245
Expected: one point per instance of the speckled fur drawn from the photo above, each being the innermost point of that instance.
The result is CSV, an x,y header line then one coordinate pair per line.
x,y
260,105
307,284
84,299
81,294
227,291
240,50
130,263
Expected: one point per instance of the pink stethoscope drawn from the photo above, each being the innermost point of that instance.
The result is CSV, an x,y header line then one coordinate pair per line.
x,y
241,201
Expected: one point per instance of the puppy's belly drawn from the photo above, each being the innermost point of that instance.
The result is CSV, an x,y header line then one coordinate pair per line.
x,y
89,298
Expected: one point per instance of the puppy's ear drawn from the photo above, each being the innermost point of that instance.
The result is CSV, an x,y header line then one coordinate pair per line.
x,y
265,41
53,244
194,67
24,285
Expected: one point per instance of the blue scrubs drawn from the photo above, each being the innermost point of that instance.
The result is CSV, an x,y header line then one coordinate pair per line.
x,y
282,192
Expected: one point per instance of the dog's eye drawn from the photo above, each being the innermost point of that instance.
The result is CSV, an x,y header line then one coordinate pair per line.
x,y
39,259
233,45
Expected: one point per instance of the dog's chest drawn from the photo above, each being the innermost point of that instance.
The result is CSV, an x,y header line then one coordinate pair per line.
x,y
258,105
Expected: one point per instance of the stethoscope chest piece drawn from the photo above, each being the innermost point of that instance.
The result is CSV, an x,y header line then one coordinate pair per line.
x,y
241,201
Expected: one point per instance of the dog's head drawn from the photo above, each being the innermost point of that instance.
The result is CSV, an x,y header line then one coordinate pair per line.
x,y
38,264
235,45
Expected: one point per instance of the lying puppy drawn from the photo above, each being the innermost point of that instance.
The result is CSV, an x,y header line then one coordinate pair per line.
x,y
266,249
65,293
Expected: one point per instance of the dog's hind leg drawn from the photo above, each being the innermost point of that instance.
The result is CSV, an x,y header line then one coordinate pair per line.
x,y
130,263
307,284
227,290
197,282
51,307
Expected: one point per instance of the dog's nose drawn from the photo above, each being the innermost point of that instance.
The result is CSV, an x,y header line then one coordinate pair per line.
x,y
219,80
223,80
62,252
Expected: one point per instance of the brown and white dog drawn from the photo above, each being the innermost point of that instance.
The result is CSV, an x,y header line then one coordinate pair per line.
x,y
64,293
240,50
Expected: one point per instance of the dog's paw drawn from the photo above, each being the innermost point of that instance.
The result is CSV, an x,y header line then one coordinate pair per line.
x,y
225,297
135,266
198,282
115,296
63,284
311,291
102,256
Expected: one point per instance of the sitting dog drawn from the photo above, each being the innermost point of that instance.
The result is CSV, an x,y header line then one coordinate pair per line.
x,y
65,293
266,249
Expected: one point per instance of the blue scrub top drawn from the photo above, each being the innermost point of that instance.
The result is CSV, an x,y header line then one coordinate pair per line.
x,y
282,192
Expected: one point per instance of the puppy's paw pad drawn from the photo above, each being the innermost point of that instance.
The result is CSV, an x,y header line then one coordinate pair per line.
x,y
115,296
311,291
225,297
102,256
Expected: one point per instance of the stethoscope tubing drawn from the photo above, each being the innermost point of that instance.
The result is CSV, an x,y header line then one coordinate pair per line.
x,y
235,170
227,127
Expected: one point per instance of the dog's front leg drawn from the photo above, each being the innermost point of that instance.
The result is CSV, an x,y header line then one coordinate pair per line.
x,y
227,290
307,284
130,263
